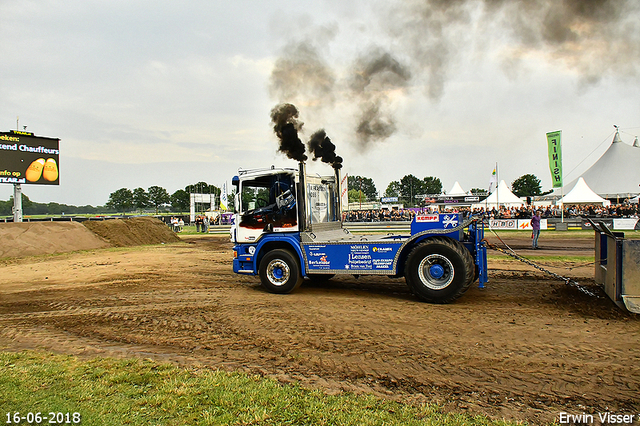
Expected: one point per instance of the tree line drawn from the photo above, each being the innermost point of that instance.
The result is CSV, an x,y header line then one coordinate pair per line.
x,y
122,200
32,208
411,189
360,189
157,197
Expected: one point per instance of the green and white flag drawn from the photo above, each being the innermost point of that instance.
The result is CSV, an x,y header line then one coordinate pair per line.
x,y
555,157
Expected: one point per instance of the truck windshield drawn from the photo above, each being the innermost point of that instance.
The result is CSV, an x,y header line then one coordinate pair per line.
x,y
263,191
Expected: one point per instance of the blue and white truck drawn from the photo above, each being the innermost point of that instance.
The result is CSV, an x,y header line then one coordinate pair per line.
x,y
288,227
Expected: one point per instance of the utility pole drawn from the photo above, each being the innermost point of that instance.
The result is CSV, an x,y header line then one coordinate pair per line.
x,y
17,203
17,191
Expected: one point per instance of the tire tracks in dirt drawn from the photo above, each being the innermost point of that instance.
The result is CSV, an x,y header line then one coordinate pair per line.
x,y
523,348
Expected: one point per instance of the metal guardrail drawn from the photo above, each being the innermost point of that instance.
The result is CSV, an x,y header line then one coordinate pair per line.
x,y
402,227
219,229
397,227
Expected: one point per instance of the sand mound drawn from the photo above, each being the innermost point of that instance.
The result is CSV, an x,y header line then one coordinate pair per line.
x,y
35,238
132,232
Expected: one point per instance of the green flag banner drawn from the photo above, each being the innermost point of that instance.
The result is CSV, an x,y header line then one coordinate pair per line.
x,y
555,157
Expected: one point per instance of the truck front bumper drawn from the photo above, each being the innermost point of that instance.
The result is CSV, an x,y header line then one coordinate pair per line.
x,y
244,259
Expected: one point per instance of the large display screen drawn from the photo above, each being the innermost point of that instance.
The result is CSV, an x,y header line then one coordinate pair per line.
x,y
29,159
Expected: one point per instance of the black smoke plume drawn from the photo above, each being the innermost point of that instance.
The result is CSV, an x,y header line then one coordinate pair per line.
x,y
286,126
592,38
374,125
376,76
300,74
321,147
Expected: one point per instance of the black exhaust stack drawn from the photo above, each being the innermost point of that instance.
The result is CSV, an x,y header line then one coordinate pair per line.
x,y
302,199
338,192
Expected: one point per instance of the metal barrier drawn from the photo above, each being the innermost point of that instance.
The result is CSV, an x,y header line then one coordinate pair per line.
x,y
395,227
400,226
219,229
617,266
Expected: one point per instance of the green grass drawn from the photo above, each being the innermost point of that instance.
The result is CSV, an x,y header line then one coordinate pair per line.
x,y
143,392
191,230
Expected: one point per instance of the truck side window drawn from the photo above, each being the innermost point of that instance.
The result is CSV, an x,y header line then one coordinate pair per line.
x,y
254,197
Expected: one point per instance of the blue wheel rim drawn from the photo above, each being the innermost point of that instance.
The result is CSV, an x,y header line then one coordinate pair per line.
x,y
278,272
436,272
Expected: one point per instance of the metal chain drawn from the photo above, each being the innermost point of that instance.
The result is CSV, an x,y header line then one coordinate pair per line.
x,y
566,280
513,254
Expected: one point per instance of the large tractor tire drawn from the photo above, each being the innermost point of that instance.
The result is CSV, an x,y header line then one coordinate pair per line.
x,y
439,270
280,271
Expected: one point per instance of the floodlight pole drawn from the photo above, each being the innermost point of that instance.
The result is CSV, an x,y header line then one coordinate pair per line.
x,y
497,189
17,203
17,192
562,194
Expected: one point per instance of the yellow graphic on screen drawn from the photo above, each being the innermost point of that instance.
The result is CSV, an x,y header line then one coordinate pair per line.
x,y
35,170
50,172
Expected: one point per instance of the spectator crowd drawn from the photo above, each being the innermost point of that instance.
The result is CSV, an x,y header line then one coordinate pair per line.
x,y
524,212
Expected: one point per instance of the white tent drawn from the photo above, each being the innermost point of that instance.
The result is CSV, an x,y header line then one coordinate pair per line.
x,y
581,193
502,196
616,173
456,190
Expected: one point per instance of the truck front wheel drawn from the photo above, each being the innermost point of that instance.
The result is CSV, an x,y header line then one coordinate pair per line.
x,y
280,272
439,270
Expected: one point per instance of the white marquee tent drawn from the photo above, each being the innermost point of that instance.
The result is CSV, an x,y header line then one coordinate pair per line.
x,y
617,171
582,194
502,196
456,190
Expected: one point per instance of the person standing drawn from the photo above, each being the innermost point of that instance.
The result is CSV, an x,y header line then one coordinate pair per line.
x,y
535,224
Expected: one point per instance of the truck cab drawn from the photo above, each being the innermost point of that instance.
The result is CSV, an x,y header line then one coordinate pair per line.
x,y
266,202
288,227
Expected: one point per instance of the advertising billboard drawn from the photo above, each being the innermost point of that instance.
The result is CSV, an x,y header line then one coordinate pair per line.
x,y
29,159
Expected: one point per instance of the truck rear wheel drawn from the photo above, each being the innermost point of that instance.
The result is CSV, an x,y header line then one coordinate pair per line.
x,y
280,272
439,270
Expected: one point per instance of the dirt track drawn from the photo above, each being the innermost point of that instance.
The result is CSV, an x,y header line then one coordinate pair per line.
x,y
526,347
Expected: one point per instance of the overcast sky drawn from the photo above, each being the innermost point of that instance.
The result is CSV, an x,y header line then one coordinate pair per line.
x,y
171,93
